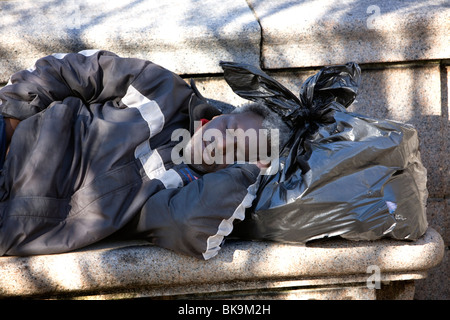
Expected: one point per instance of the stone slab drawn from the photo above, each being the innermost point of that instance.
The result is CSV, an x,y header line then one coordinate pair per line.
x,y
315,33
185,36
135,266
359,292
437,285
345,287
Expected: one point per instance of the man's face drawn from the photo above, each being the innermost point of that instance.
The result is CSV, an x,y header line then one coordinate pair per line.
x,y
221,141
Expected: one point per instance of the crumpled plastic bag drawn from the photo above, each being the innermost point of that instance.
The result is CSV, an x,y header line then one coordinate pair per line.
x,y
341,173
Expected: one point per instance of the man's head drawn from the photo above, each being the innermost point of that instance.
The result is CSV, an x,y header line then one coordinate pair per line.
x,y
252,133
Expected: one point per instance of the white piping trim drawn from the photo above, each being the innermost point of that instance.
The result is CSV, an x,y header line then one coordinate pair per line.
x,y
154,166
86,53
149,109
226,226
59,55
89,52
151,159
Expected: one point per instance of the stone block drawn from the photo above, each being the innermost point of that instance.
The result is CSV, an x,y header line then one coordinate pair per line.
x,y
185,36
216,88
438,217
317,33
436,285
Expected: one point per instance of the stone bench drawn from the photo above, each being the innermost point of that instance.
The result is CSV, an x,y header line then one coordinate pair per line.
x,y
402,47
326,269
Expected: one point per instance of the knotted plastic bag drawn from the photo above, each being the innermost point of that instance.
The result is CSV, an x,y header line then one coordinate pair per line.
x,y
341,173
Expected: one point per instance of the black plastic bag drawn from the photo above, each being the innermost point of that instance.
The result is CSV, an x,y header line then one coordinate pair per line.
x,y
341,174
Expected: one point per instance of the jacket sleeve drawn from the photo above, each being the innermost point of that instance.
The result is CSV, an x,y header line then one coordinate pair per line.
x,y
195,219
93,76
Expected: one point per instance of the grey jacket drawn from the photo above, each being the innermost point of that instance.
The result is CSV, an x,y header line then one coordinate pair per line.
x,y
91,159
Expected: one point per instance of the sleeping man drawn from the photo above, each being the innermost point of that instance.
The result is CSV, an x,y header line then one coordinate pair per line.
x,y
94,145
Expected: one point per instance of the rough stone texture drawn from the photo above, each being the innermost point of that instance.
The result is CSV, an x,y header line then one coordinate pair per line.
x,y
185,36
144,270
316,33
436,285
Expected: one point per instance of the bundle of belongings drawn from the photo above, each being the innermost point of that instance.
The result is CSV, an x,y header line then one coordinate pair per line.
x,y
93,158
